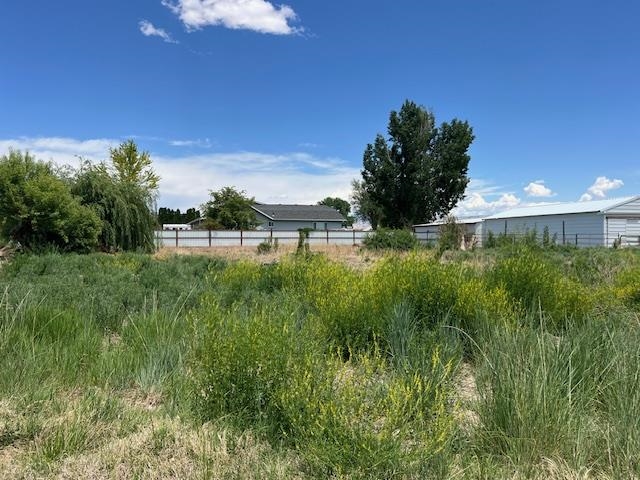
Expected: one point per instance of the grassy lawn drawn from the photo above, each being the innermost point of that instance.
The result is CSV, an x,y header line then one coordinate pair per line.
x,y
502,363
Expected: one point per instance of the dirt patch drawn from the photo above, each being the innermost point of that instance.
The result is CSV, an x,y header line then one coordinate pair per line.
x,y
468,396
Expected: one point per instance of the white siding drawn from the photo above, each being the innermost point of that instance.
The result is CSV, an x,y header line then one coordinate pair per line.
x,y
295,224
589,227
427,233
632,235
615,228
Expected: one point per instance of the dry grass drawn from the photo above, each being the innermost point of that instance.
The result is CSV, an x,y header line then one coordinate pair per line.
x,y
353,256
156,446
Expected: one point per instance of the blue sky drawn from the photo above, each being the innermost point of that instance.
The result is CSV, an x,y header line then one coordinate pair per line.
x,y
281,100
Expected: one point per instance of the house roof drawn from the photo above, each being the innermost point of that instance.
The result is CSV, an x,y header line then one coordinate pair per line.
x,y
462,221
314,213
594,206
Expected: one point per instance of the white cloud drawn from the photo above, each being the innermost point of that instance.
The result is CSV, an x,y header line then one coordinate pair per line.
x,y
585,197
186,180
538,189
61,150
257,15
601,187
206,143
476,205
149,30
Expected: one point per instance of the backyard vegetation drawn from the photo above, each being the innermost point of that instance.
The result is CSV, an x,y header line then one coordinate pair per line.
x,y
514,362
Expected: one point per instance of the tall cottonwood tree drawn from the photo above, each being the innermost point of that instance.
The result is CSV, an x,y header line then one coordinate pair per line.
x,y
419,173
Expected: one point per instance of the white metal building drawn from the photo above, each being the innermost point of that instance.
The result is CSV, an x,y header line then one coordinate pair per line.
x,y
430,232
594,223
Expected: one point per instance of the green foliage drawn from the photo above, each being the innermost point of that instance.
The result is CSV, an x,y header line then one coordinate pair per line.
x,y
38,210
341,205
535,284
230,209
268,245
364,206
545,396
388,239
123,208
421,174
168,215
303,242
451,234
361,419
133,167
351,372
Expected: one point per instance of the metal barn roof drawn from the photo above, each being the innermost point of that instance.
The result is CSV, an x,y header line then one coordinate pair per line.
x,y
594,206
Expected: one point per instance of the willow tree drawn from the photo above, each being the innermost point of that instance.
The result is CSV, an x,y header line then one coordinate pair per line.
x,y
122,195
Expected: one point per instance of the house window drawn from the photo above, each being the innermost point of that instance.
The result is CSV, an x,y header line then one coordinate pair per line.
x,y
315,226
271,224
325,226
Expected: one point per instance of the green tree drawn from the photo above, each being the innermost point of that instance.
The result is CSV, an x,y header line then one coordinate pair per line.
x,y
420,173
38,210
134,167
341,205
230,209
364,207
122,205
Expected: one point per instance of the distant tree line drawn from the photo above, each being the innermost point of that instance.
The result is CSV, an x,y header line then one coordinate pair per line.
x,y
168,215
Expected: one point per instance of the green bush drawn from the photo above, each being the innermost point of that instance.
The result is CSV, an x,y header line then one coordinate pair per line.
x,y
451,234
363,419
533,284
38,210
386,239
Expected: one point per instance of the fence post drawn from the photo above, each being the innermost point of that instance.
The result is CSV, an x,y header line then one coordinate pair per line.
x,y
576,239
354,237
327,237
176,238
209,237
564,236
241,238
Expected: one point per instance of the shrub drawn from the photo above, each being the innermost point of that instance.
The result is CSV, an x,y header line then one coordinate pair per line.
x,y
534,283
451,234
386,239
362,419
38,210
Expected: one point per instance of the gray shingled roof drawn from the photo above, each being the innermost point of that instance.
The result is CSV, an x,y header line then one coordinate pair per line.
x,y
314,213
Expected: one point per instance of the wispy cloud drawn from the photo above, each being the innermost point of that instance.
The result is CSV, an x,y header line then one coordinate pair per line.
x,y
206,143
257,15
538,189
601,188
149,30
294,177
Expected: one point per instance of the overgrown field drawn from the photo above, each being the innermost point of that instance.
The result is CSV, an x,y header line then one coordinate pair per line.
x,y
506,363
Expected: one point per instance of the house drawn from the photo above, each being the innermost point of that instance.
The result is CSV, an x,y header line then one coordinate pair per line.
x,y
430,232
176,226
595,223
294,217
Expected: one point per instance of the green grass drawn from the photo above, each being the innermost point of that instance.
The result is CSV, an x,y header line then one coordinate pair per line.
x,y
199,368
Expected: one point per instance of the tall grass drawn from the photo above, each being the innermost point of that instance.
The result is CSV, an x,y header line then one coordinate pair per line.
x,y
567,397
351,373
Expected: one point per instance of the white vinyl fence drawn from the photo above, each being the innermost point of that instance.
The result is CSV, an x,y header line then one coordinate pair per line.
x,y
251,238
